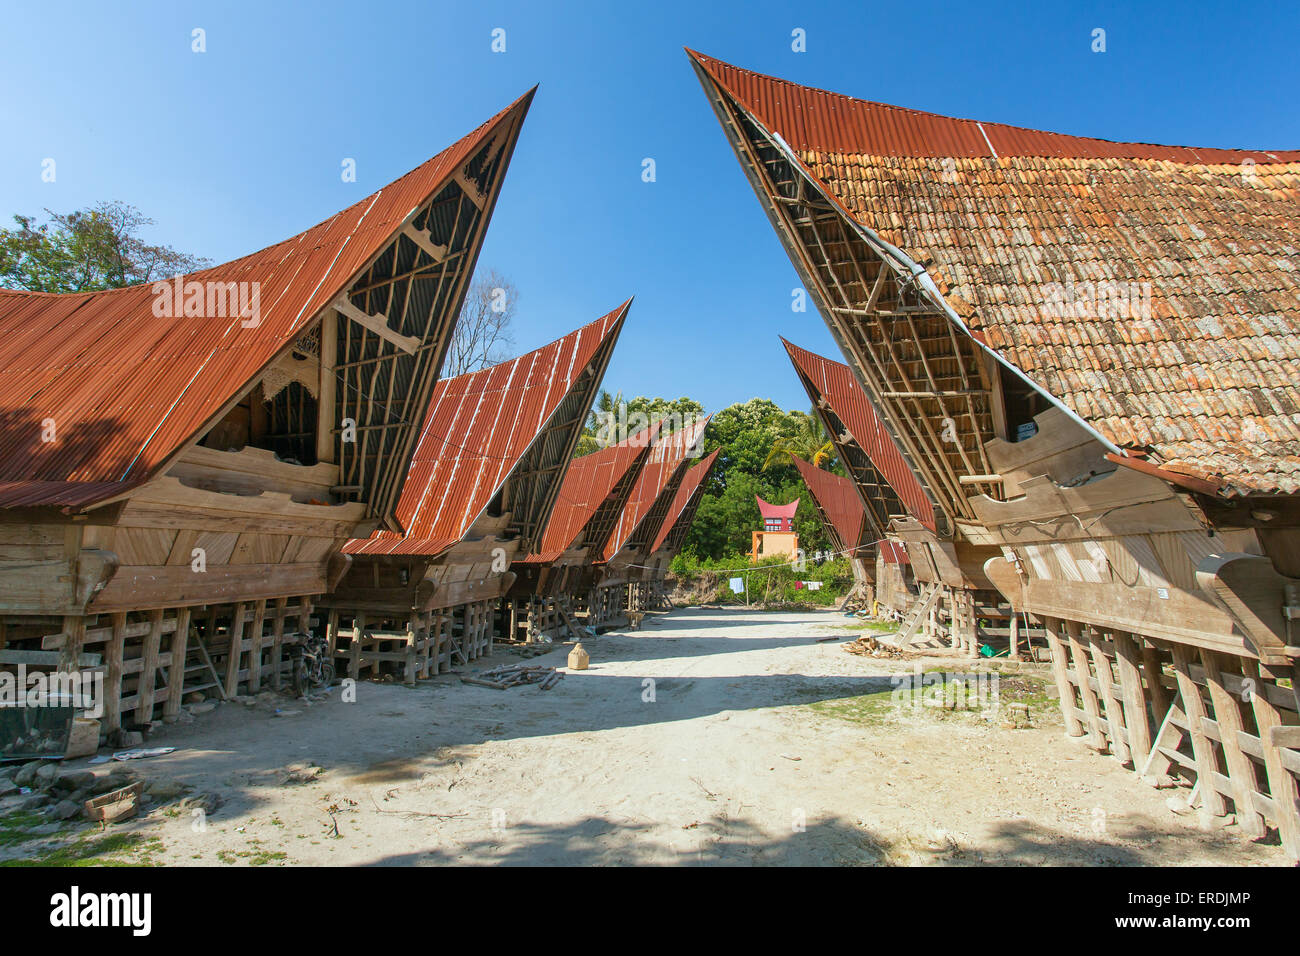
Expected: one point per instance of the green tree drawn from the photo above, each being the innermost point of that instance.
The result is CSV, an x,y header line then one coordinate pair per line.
x,y
85,251
810,442
628,416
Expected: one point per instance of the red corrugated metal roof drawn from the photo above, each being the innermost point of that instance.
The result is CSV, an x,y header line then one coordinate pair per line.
x,y
691,486
834,381
769,510
838,500
126,388
669,454
894,552
588,482
809,118
478,428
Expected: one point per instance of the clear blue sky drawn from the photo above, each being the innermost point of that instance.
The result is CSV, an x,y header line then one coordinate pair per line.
x,y
240,147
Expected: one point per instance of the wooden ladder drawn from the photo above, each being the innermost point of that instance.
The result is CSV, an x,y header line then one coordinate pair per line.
x,y
929,596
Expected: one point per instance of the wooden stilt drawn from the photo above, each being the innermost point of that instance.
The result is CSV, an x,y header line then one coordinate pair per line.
x,y
1106,684
1212,803
1083,676
1241,772
148,669
1135,706
255,651
176,671
238,615
1054,630
1282,786
113,654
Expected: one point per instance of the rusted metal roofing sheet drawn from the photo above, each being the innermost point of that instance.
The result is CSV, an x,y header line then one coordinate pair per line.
x,y
669,455
809,118
1151,289
478,428
838,500
588,482
126,388
835,382
894,552
687,499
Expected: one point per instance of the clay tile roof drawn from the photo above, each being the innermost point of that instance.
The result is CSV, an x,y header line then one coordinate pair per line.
x,y
837,500
479,427
126,388
687,500
1154,290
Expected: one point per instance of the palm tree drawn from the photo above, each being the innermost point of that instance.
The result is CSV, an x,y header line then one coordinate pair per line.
x,y
810,442
602,411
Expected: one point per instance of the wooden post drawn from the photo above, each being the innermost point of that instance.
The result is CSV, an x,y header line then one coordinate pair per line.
x,y
176,672
1240,770
236,648
1060,670
74,638
1083,676
255,652
1106,683
144,690
1281,785
1154,674
113,653
277,641
1015,635
1135,705
1212,803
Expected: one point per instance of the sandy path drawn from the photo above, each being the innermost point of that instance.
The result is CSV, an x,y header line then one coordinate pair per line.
x,y
593,772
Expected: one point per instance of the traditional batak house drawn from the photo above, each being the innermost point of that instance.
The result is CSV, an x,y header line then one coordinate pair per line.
x,y
845,520
483,482
555,583
623,587
777,536
672,533
950,573
180,463
1087,351
896,589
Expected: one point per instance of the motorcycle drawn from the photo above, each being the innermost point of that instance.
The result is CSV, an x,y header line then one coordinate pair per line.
x,y
312,667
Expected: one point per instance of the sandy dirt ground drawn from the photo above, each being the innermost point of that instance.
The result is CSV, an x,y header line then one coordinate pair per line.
x,y
709,737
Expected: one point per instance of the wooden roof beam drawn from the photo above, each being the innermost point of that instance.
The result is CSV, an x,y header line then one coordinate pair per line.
x,y
378,324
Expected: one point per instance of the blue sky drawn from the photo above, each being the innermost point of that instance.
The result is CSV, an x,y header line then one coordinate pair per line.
x,y
239,147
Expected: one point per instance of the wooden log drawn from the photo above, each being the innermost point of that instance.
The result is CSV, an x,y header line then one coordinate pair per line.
x,y
1136,720
149,669
1114,714
1212,803
1154,673
1241,772
236,648
277,640
255,650
1082,674
74,625
1281,784
113,653
176,669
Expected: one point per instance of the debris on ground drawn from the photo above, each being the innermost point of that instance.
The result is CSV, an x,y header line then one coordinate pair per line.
x,y
867,646
515,675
